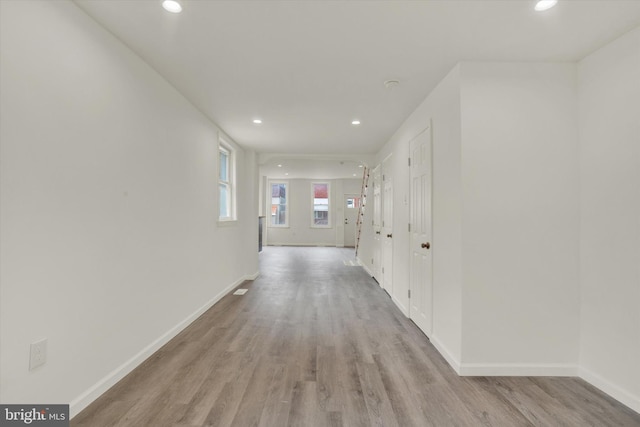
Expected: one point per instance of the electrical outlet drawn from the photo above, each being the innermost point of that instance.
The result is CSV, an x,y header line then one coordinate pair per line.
x,y
38,354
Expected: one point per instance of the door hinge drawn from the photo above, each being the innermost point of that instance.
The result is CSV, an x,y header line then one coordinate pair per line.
x,y
409,227
371,261
383,177
383,270
409,293
409,159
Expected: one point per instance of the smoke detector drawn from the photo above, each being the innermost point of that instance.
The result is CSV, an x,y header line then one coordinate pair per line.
x,y
390,84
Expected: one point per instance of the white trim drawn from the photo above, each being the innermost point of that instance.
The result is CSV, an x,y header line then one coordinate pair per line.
x,y
402,308
369,272
224,145
444,351
253,276
621,395
518,370
95,391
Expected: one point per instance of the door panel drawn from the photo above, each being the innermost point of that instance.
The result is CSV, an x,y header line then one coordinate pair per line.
x,y
421,286
387,226
350,206
377,224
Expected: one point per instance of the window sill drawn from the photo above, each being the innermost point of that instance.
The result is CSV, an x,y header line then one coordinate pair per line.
x,y
227,222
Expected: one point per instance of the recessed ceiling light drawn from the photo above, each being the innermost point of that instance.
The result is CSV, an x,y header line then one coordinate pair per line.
x,y
172,6
359,166
354,174
355,122
279,166
257,121
545,4
286,173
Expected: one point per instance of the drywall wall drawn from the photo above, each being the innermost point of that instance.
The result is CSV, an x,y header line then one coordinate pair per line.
x,y
110,243
299,231
609,120
519,219
441,111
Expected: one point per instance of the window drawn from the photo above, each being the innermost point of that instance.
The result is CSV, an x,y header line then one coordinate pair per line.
x,y
279,200
226,183
353,202
320,194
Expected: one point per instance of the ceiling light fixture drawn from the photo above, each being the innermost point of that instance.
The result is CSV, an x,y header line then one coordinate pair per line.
x,y
172,6
545,4
360,166
286,173
257,121
279,166
355,122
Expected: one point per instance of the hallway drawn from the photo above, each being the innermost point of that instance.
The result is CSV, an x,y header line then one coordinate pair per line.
x,y
315,342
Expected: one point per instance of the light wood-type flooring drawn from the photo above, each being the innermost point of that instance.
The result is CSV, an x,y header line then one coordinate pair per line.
x,y
315,342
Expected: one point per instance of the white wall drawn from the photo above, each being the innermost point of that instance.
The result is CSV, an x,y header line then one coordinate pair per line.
x,y
441,110
520,218
609,105
536,231
299,231
108,215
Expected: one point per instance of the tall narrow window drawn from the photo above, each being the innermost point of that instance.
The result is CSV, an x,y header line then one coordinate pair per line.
x,y
279,200
321,208
226,184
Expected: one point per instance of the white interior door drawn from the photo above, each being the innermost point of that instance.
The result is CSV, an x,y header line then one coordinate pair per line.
x,y
351,208
421,286
387,226
377,224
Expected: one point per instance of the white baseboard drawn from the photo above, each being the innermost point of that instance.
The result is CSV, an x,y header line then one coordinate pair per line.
x,y
86,398
518,370
369,272
612,390
444,351
253,276
398,304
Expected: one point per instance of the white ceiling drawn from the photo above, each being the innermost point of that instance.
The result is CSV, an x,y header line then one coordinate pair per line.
x,y
308,68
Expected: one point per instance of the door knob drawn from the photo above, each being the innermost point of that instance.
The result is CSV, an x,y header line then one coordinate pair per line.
x,y
389,235
377,232
346,220
425,245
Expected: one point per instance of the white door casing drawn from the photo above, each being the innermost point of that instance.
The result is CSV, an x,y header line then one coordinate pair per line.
x,y
420,282
387,226
377,224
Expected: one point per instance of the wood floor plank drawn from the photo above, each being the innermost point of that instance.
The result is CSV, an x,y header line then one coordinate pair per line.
x,y
329,394
277,405
375,396
305,410
317,343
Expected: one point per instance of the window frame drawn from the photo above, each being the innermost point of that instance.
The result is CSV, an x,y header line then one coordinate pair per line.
x,y
287,203
313,205
230,183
